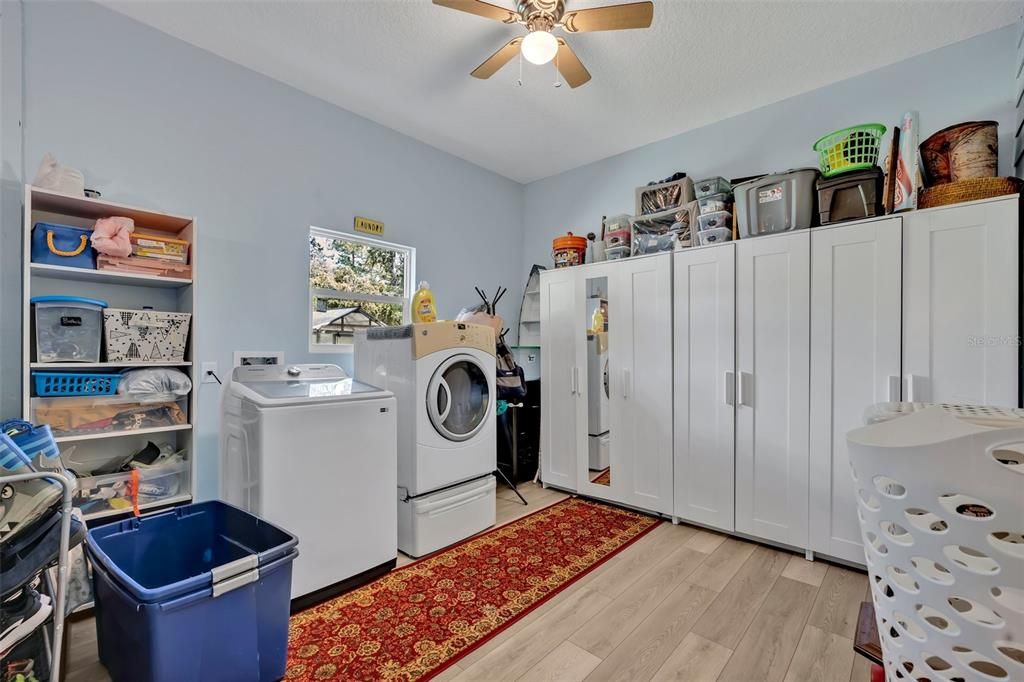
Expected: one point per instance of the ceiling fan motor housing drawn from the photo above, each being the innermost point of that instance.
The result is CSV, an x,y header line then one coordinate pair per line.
x,y
541,15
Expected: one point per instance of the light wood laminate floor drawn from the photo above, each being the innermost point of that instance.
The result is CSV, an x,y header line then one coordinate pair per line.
x,y
681,603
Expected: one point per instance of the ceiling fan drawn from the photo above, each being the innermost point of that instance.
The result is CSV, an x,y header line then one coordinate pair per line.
x,y
541,17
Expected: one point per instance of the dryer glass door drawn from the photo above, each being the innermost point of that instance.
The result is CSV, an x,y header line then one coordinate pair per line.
x,y
458,398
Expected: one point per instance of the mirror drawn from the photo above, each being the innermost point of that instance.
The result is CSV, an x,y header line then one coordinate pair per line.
x,y
598,430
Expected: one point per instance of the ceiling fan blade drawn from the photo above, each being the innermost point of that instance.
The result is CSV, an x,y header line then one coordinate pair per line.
x,y
498,59
481,9
570,66
611,18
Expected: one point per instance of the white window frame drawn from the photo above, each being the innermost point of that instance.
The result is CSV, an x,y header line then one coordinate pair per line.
x,y
404,301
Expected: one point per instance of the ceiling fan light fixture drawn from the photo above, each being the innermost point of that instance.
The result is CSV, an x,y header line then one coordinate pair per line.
x,y
539,47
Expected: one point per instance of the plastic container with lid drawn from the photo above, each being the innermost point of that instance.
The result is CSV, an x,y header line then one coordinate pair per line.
x,y
705,188
718,219
715,235
618,238
616,222
715,202
776,203
616,252
568,250
850,196
68,328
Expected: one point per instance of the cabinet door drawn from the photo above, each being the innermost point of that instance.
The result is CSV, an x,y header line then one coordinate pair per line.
x,y
704,309
961,314
773,367
640,333
855,363
559,377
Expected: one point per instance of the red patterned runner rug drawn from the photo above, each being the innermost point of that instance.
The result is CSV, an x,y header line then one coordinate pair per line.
x,y
419,619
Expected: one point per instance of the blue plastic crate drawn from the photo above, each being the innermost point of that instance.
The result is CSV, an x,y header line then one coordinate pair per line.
x,y
201,592
62,245
53,384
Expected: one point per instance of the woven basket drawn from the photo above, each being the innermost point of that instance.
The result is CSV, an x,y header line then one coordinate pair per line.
x,y
967,190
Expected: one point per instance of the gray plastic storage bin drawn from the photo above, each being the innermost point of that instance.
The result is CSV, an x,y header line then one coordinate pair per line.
x,y
68,328
776,203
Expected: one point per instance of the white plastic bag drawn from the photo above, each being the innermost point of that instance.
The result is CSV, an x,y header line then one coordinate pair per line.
x,y
59,178
154,385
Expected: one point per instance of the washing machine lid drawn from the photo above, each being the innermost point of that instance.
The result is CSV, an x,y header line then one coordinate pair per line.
x,y
293,384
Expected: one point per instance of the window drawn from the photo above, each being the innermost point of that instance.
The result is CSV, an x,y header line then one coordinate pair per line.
x,y
356,282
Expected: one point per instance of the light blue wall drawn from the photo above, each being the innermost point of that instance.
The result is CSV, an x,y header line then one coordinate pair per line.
x,y
10,207
966,81
156,122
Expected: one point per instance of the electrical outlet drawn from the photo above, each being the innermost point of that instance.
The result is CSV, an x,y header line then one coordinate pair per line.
x,y
209,372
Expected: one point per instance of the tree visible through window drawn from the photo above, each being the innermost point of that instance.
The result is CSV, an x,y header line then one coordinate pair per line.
x,y
356,282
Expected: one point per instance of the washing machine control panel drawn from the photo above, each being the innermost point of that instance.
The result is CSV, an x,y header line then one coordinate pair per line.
x,y
431,337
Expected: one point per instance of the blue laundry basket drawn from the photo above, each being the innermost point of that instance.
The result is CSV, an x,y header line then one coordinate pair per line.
x,y
201,592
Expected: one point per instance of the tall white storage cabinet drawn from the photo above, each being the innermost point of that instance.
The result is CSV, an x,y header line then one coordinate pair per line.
x,y
640,299
638,292
704,312
561,392
772,351
961,307
855,363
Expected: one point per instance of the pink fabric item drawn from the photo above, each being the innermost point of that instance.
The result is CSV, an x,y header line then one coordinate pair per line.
x,y
111,236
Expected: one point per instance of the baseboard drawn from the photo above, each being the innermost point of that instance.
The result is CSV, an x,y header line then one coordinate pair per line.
x,y
347,585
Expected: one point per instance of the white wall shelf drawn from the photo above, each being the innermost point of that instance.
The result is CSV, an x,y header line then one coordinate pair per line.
x,y
107,276
104,365
120,290
121,434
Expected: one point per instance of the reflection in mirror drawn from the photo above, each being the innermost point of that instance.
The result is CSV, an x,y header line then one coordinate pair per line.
x,y
598,434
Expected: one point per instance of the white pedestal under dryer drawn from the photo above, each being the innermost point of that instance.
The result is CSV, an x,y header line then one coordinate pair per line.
x,y
313,451
442,375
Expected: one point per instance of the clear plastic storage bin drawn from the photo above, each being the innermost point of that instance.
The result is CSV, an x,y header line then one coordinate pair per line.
x,y
714,203
68,328
712,221
705,188
715,235
96,494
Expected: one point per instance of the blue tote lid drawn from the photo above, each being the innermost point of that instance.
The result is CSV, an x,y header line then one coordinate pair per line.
x,y
69,299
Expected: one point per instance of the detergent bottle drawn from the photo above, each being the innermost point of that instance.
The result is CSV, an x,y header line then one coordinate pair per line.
x,y
423,306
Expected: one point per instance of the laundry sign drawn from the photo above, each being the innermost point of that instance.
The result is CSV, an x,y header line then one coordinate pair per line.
x,y
369,226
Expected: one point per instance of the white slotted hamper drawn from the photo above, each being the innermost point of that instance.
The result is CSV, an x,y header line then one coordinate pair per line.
x,y
940,497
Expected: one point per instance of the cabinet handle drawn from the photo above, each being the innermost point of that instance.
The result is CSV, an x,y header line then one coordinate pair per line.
x,y
730,388
625,382
746,379
912,396
894,389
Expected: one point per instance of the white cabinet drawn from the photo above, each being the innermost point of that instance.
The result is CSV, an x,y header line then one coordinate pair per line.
x,y
855,363
704,310
773,363
621,446
640,332
560,372
961,311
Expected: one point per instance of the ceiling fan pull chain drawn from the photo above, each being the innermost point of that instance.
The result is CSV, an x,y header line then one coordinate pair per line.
x,y
558,74
520,81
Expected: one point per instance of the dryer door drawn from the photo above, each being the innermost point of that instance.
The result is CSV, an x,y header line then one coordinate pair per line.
x,y
458,398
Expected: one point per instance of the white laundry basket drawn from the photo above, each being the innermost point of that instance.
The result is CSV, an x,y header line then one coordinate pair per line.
x,y
940,497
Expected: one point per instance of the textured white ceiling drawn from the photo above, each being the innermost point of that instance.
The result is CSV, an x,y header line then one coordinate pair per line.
x,y
406,64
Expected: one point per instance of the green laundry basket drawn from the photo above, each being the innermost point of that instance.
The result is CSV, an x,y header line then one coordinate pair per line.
x,y
849,149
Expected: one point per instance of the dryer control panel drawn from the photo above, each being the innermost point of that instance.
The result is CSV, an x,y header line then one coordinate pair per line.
x,y
431,337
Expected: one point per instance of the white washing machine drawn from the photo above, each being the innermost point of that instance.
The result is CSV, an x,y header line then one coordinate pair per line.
x,y
597,400
442,375
313,451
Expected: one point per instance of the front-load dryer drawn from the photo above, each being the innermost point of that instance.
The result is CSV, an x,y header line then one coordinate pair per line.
x,y
442,375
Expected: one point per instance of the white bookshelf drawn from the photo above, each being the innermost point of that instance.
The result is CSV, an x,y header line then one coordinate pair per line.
x,y
119,290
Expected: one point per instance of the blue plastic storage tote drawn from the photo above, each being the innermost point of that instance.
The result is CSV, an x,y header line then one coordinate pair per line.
x,y
201,592
62,245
